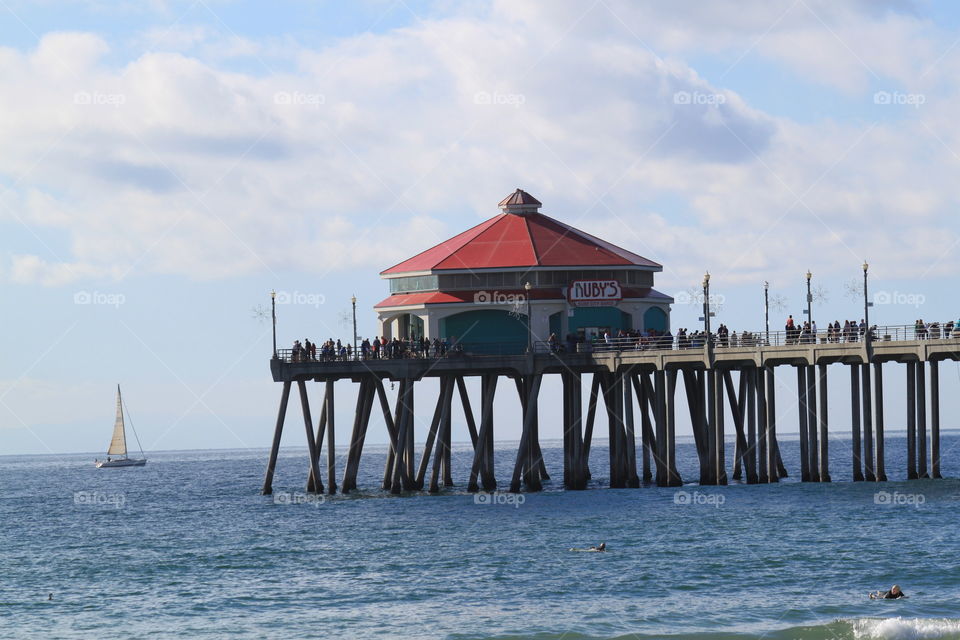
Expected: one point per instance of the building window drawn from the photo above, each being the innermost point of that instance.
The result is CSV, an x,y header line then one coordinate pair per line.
x,y
414,283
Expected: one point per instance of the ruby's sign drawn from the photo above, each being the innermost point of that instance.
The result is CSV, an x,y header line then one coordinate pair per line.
x,y
594,293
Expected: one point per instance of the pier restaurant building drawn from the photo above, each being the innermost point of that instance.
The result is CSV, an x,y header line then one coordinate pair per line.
x,y
479,286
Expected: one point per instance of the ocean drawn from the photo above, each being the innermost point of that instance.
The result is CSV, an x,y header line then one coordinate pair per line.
x,y
187,548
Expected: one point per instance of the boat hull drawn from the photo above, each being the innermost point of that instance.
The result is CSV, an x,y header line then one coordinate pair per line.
x,y
123,462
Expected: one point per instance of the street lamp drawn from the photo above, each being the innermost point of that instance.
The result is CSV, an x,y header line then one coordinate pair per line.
x,y
706,306
353,301
273,314
866,304
810,307
766,308
527,287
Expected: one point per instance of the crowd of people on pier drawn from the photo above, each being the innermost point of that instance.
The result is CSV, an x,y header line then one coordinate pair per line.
x,y
377,348
381,347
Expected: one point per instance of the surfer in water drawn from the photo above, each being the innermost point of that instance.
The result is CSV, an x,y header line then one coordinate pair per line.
x,y
895,593
600,547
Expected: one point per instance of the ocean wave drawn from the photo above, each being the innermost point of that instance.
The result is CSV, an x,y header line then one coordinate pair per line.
x,y
905,628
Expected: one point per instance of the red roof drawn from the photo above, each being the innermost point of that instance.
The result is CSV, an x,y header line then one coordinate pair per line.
x,y
521,240
446,297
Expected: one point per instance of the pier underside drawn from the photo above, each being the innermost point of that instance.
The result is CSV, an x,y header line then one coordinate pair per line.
x,y
636,392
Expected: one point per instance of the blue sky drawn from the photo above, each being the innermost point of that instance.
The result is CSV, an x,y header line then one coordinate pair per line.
x,y
172,162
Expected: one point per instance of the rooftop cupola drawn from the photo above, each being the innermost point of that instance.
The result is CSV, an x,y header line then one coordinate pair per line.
x,y
520,202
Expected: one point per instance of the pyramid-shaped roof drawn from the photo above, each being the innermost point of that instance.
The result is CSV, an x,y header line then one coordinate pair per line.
x,y
521,236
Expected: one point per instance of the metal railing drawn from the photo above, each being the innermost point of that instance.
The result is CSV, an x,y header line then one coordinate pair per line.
x,y
734,340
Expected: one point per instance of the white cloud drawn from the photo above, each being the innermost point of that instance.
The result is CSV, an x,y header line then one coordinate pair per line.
x,y
381,145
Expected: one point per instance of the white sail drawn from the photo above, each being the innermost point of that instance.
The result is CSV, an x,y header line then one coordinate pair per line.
x,y
118,445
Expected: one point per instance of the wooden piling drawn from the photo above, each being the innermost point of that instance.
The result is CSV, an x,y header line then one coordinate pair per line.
x,y
275,447
721,460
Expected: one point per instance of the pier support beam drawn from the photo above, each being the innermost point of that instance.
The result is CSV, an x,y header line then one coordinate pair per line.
x,y
275,447
813,450
775,462
912,421
331,439
630,433
869,474
483,454
670,439
803,414
922,420
311,442
855,444
762,436
935,418
879,466
824,450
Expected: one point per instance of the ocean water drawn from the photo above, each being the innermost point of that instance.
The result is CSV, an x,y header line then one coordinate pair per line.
x,y
185,547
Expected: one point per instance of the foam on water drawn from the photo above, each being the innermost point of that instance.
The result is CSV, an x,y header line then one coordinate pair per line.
x,y
905,628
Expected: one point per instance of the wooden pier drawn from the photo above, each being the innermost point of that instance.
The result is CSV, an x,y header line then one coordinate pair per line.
x,y
636,389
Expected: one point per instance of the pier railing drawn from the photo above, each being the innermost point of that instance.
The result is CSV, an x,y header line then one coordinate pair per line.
x,y
733,340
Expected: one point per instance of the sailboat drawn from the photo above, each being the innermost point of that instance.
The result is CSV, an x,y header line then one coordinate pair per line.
x,y
117,453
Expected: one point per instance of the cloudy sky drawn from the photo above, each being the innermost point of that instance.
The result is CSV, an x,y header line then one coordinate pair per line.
x,y
166,164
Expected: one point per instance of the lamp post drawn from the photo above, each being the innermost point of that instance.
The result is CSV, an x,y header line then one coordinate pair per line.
x,y
353,301
766,308
866,304
273,315
527,287
810,306
706,306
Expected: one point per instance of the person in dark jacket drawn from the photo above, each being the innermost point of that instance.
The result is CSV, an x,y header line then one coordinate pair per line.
x,y
894,593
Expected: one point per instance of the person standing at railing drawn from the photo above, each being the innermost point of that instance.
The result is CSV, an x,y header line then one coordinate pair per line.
x,y
948,329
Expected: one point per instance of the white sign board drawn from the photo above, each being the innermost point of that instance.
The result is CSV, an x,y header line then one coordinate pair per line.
x,y
594,293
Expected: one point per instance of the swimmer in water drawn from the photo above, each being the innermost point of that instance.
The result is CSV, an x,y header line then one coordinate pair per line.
x,y
895,593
